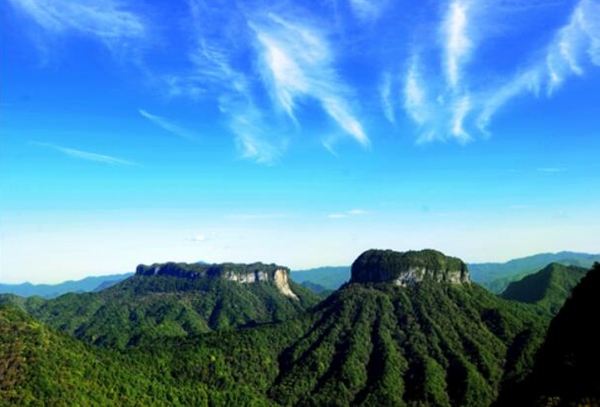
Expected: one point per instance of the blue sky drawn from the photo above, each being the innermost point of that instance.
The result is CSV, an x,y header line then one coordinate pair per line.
x,y
300,133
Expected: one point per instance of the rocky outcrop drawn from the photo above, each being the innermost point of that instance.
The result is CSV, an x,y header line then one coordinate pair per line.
x,y
407,268
239,273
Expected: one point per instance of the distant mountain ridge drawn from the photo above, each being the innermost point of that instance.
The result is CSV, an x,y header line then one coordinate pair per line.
x,y
548,288
497,276
87,284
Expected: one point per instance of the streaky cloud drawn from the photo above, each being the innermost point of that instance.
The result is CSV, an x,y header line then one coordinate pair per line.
x,y
461,109
109,21
415,98
88,156
367,10
168,126
457,44
385,92
573,47
297,62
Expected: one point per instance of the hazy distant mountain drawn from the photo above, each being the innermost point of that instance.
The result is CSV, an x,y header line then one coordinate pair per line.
x,y
174,300
54,290
331,278
548,288
497,276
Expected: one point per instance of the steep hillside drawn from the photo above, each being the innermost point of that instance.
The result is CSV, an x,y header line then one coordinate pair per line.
x,y
566,369
497,276
176,300
431,340
548,288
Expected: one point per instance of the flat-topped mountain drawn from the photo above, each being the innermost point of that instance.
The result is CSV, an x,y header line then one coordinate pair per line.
x,y
174,300
240,273
407,268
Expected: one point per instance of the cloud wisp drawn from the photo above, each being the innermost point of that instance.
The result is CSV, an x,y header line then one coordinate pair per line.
x,y
109,21
348,214
457,44
168,126
297,63
455,103
88,156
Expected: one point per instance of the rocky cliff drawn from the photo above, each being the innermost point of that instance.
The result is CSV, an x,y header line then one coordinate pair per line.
x,y
407,268
240,273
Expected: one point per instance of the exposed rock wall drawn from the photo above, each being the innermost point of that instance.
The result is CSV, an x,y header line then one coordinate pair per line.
x,y
406,268
239,273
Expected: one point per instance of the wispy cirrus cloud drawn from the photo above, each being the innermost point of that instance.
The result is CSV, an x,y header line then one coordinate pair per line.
x,y
297,63
457,44
368,10
88,156
464,103
110,21
551,170
168,126
198,238
574,47
218,72
347,214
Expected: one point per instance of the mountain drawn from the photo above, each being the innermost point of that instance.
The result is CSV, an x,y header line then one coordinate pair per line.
x,y
54,290
497,276
566,371
173,300
330,278
408,329
548,288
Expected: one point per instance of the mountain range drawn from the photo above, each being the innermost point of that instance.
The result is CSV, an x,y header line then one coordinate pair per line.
x,y
409,328
323,280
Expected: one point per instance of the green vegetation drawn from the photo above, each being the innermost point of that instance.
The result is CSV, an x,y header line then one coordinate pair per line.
x,y
150,307
386,265
548,288
566,367
497,276
369,344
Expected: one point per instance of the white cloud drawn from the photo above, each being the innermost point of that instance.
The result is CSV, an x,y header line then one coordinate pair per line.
x,y
461,109
85,155
551,170
198,238
168,126
574,45
347,214
457,44
110,21
528,81
415,98
367,10
297,62
385,92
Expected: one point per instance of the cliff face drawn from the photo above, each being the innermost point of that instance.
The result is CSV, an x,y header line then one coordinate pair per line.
x,y
240,273
407,268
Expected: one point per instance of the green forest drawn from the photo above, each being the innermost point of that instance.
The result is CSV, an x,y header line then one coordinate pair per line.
x,y
184,337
